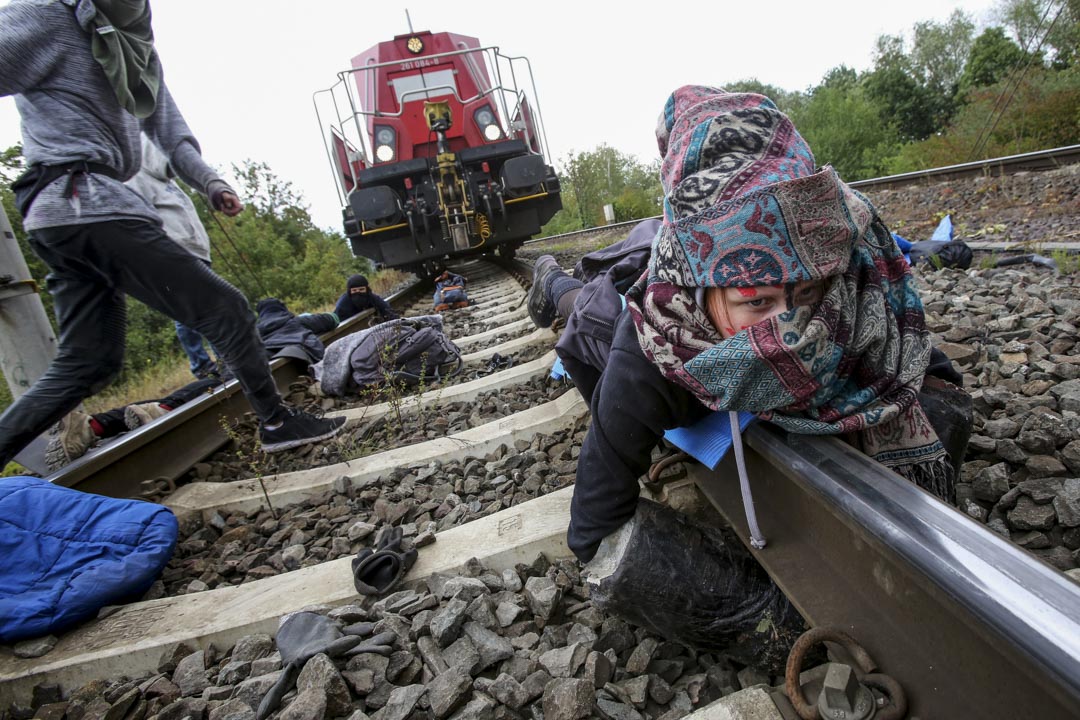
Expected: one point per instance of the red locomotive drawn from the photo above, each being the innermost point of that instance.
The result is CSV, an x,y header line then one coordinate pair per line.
x,y
437,152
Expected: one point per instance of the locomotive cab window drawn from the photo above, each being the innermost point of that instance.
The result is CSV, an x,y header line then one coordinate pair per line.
x,y
418,81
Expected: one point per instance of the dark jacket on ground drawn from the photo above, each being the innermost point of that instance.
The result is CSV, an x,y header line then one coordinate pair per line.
x,y
279,329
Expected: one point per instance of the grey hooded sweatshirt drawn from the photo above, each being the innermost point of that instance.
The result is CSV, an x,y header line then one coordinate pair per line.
x,y
70,112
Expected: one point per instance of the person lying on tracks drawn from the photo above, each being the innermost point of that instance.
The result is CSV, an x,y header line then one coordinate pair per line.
x,y
450,292
358,297
79,431
86,81
772,287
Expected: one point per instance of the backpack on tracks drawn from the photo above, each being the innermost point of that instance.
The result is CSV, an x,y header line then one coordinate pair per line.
x,y
407,350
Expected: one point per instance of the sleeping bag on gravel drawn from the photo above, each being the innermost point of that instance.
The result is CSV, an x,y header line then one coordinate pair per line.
x,y
65,554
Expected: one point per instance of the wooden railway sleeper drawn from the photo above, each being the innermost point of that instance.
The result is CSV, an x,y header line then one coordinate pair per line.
x,y
846,690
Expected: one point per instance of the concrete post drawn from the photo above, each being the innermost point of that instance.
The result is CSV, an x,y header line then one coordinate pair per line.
x,y
27,340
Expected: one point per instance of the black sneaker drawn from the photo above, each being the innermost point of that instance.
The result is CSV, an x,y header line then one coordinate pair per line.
x,y
299,428
542,311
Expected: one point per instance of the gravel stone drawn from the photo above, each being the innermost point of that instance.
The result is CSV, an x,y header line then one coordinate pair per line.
x,y
402,701
309,704
567,699
1028,515
447,691
321,675
1067,503
191,676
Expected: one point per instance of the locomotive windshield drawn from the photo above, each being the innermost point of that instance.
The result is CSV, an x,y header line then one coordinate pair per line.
x,y
442,82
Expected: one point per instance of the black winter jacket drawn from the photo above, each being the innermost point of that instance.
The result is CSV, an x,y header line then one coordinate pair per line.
x,y
632,405
278,328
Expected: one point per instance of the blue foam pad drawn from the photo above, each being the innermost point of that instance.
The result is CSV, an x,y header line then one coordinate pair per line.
x,y
707,440
558,372
944,231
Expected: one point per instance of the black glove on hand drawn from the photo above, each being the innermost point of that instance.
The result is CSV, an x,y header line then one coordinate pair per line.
x,y
378,572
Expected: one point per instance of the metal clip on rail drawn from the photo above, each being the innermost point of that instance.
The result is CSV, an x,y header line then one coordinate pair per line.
x,y
846,693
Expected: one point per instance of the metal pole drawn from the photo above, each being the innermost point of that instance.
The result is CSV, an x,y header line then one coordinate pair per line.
x,y
27,340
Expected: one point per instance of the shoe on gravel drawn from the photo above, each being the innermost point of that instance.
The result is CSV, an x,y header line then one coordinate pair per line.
x,y
299,428
135,416
70,440
541,309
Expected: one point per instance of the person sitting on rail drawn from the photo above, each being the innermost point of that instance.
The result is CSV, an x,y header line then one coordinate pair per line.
x,y
450,291
772,287
358,297
79,431
86,80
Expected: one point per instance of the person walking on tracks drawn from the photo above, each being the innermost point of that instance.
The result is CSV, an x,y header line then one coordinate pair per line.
x,y
86,81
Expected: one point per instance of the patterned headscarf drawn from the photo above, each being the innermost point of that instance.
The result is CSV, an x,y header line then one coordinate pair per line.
x,y
745,206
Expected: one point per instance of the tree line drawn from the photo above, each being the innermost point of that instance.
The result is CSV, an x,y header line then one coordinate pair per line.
x,y
940,95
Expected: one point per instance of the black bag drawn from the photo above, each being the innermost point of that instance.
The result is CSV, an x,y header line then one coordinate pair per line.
x,y
688,583
404,351
952,254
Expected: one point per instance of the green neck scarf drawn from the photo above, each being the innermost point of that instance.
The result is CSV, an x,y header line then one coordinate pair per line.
x,y
122,42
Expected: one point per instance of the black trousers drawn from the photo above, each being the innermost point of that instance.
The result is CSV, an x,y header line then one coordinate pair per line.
x,y
112,421
92,267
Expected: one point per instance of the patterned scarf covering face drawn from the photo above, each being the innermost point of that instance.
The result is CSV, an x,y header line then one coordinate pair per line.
x,y
745,207
122,42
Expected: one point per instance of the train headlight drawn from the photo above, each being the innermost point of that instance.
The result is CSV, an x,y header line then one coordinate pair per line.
x,y
384,153
385,142
486,121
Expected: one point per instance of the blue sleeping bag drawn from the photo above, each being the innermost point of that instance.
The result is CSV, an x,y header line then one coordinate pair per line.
x,y
65,554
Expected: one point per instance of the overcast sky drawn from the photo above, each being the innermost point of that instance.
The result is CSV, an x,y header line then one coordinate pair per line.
x,y
243,71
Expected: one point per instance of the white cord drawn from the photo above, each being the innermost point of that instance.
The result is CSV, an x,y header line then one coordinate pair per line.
x,y
757,540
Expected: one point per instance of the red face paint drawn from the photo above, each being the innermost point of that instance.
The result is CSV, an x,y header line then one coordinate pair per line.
x,y
747,292
729,330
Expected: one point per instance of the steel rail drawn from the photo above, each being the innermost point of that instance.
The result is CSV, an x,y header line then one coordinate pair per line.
x,y
1008,165
171,446
969,624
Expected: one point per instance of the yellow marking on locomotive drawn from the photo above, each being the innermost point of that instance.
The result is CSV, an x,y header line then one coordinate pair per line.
x,y
383,229
483,226
527,197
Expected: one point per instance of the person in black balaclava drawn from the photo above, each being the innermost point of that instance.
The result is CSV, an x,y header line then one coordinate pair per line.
x,y
359,297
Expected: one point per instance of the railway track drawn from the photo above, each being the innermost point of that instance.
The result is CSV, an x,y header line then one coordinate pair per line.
x,y
969,625
1009,165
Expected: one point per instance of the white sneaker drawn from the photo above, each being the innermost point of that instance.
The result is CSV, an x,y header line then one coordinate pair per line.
x,y
70,440
135,416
